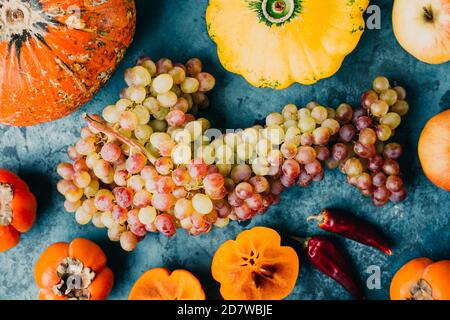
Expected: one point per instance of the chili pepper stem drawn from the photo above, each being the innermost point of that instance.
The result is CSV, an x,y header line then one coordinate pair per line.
x,y
303,240
109,131
319,217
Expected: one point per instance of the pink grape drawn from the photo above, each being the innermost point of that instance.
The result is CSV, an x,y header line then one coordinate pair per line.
x,y
260,184
287,181
164,165
163,201
379,179
165,184
241,172
399,196
255,202
142,199
222,207
347,132
73,153
119,214
136,162
164,223
65,171
244,212
176,118
291,168
391,167
363,122
376,163
121,177
180,176
110,152
381,194
304,179
313,168
244,190
339,151
276,187
124,196
394,183
305,155
180,192
80,165
197,169
135,225
234,200
213,181
104,202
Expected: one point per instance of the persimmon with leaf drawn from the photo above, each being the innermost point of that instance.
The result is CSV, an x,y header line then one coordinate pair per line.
x,y
17,209
255,266
161,284
73,271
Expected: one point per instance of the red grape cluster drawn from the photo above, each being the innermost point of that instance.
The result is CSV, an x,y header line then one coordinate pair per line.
x,y
151,166
363,152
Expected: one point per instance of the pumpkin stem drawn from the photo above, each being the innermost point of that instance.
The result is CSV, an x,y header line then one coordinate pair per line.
x,y
14,15
276,12
75,279
133,144
6,197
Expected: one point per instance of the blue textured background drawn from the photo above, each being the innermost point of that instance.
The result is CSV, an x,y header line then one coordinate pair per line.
x,y
176,29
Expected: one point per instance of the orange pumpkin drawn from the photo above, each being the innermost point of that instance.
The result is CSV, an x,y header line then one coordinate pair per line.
x,y
255,266
17,209
56,54
422,279
160,284
75,271
434,150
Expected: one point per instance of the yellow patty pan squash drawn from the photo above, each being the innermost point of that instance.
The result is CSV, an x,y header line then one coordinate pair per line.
x,y
274,43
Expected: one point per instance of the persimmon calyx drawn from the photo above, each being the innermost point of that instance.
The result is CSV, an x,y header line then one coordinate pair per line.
x,y
259,271
75,279
6,197
421,291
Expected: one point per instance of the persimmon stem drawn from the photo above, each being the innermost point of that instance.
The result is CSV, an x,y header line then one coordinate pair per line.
x,y
128,141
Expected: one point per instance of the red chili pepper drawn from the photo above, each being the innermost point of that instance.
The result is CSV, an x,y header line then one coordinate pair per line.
x,y
352,228
327,258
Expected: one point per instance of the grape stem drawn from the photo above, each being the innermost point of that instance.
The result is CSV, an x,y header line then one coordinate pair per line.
x,y
109,131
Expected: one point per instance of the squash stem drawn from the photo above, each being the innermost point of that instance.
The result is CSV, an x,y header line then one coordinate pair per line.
x,y
133,144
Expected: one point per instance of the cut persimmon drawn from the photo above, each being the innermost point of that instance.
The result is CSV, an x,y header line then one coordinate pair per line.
x,y
161,284
255,266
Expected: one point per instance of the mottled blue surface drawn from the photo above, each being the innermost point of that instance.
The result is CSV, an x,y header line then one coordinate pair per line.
x,y
176,28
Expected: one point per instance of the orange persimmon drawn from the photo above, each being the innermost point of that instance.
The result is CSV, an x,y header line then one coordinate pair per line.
x,y
422,279
17,209
255,266
434,150
75,271
161,284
